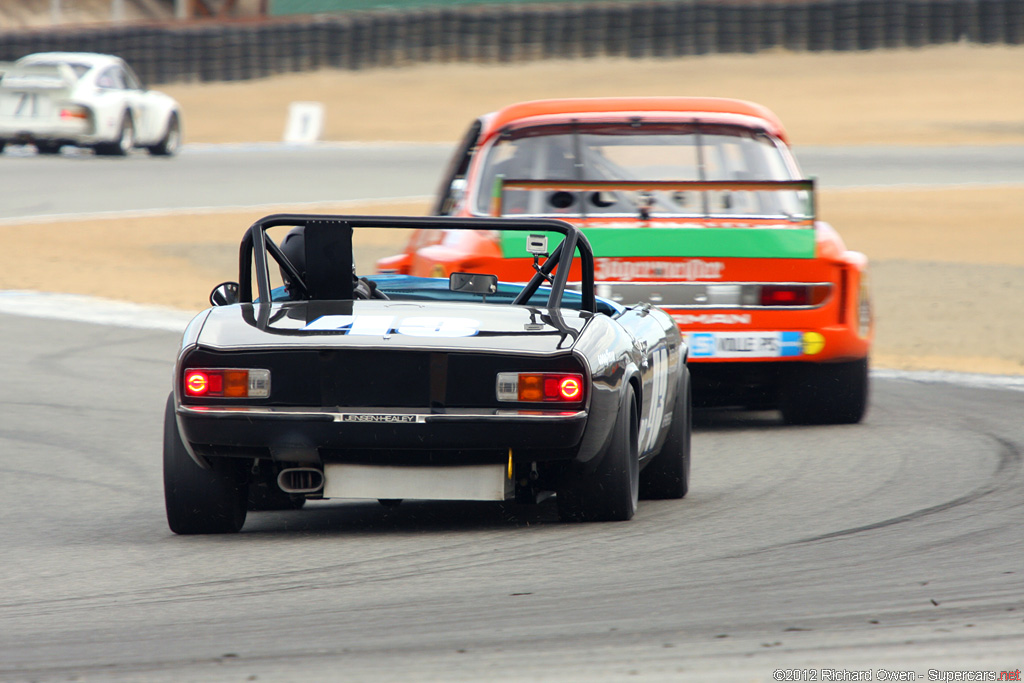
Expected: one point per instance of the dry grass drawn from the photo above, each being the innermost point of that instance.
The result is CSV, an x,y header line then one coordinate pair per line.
x,y
960,225
960,94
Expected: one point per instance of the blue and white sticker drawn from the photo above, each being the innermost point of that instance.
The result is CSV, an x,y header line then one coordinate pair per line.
x,y
776,344
383,325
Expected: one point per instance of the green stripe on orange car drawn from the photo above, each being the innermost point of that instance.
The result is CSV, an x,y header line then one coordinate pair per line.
x,y
686,242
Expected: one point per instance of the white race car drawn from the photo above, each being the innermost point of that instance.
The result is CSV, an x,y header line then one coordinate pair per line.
x,y
51,99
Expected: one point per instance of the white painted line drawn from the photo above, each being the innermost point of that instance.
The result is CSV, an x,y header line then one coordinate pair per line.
x,y
290,207
899,187
88,309
206,147
965,379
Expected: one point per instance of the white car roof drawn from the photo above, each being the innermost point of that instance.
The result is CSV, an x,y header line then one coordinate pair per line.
x,y
90,59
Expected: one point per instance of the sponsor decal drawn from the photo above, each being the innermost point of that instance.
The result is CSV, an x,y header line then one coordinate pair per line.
x,y
711,318
689,269
383,325
754,344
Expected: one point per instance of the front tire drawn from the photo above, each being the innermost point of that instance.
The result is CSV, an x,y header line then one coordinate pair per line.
x,y
171,141
826,393
124,142
200,501
667,476
609,493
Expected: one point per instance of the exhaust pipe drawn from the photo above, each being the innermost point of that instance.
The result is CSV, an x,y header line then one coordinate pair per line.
x,y
300,480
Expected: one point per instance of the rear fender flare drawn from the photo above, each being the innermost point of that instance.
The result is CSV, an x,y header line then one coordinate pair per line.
x,y
604,407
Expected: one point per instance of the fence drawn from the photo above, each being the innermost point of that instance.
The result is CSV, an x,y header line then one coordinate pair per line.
x,y
504,33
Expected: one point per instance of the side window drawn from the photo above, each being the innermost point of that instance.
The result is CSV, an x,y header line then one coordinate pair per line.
x,y
453,182
106,79
112,78
119,81
131,79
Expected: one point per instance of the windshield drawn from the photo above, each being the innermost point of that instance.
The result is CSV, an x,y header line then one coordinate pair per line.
x,y
638,152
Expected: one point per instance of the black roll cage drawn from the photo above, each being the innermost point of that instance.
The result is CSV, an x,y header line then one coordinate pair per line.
x,y
256,245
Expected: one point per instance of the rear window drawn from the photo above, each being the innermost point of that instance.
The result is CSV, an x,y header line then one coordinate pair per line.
x,y
637,152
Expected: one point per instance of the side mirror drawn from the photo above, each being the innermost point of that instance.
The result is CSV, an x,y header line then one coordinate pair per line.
x,y
474,283
224,294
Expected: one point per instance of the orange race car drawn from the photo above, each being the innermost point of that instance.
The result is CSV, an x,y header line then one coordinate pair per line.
x,y
695,205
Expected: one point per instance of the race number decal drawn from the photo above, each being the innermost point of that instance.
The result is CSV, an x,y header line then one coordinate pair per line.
x,y
382,325
439,327
378,325
659,381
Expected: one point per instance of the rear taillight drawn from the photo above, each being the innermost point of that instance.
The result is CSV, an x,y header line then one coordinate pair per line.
x,y
74,112
783,295
793,295
226,383
540,387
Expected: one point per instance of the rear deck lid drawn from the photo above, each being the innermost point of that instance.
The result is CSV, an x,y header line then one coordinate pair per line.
x,y
391,324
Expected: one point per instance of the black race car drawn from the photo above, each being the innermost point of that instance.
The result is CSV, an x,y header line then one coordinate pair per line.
x,y
396,387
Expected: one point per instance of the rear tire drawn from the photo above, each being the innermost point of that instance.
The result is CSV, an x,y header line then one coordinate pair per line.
x,y
668,475
125,139
609,493
200,501
169,144
826,393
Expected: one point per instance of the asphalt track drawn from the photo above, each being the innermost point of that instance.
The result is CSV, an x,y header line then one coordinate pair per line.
x,y
890,546
219,176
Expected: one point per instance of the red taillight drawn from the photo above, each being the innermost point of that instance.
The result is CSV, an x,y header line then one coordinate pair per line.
x,y
570,388
540,387
784,295
227,383
197,383
74,113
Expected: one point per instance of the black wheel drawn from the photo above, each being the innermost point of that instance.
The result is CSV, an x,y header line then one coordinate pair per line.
x,y
264,493
48,147
3,143
828,393
610,492
668,475
201,501
171,141
124,142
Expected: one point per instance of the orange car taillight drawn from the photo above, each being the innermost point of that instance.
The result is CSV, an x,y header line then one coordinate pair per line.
x,y
793,295
226,383
74,112
540,387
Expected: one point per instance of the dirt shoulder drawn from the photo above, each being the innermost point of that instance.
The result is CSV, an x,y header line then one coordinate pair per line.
x,y
952,95
947,264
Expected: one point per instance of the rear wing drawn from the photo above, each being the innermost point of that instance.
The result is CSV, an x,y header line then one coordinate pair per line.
x,y
38,78
805,219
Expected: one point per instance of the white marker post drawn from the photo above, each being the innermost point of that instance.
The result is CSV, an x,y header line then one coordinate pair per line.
x,y
305,123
